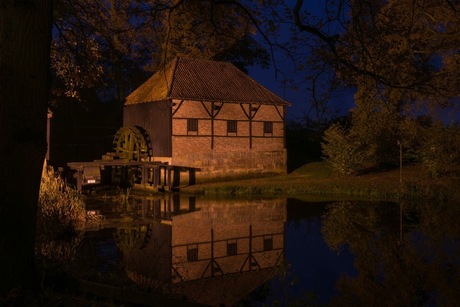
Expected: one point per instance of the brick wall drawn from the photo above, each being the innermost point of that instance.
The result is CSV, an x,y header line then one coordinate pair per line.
x,y
220,165
219,153
240,221
228,222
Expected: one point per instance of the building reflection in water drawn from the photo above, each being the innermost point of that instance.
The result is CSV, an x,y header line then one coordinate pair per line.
x,y
208,251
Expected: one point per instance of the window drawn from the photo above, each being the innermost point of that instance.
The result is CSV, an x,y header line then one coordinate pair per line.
x,y
192,253
268,127
192,124
268,243
232,126
232,248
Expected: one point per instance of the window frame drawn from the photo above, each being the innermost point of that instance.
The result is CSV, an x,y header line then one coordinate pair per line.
x,y
268,243
268,127
232,126
192,125
192,253
232,248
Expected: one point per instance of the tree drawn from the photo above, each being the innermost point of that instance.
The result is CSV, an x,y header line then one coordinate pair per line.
x,y
406,46
114,44
103,50
343,150
376,121
401,56
25,33
410,45
440,149
392,267
93,41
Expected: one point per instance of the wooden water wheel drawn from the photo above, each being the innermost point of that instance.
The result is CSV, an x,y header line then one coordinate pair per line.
x,y
135,237
132,144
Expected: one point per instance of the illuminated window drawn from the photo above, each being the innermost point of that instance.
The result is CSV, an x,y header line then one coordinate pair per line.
x,y
192,124
232,126
268,127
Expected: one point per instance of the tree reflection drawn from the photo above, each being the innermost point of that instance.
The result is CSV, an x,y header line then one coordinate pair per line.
x,y
407,257
63,251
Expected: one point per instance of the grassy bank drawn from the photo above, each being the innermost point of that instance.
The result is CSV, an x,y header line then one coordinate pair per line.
x,y
317,178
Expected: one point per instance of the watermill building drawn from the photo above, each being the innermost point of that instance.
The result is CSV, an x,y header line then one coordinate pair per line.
x,y
211,116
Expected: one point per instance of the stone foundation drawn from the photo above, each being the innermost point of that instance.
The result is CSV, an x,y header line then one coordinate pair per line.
x,y
222,165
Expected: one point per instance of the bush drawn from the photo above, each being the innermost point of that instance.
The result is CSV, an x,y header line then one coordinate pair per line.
x,y
61,209
342,150
440,150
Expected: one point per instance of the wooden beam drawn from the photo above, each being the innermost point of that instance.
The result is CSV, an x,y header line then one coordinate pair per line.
x,y
212,125
279,113
250,125
178,107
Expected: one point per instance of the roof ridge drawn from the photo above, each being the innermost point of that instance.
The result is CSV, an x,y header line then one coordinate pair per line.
x,y
203,79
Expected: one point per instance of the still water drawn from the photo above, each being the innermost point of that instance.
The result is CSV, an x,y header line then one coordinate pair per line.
x,y
275,252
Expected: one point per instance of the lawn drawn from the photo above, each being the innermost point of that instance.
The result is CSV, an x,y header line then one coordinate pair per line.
x,y
318,179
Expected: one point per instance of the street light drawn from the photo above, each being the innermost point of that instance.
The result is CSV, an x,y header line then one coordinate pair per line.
x,y
400,162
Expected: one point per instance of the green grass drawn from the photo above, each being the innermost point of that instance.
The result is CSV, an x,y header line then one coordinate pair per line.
x,y
316,170
317,178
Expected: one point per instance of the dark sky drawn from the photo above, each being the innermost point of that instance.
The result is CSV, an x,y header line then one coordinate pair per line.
x,y
298,98
340,104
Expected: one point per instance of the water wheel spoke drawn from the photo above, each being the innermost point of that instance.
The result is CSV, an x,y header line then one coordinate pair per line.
x,y
131,143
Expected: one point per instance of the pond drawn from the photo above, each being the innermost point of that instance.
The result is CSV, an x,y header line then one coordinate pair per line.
x,y
274,252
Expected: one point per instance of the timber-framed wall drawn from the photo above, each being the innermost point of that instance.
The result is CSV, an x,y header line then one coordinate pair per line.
x,y
254,143
211,116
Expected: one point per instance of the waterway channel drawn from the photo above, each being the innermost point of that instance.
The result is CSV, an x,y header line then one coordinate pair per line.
x,y
275,251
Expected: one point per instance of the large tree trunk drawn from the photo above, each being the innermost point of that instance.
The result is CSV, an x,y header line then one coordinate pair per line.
x,y
25,33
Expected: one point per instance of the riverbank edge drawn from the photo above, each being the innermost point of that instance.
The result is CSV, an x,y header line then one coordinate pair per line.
x,y
382,185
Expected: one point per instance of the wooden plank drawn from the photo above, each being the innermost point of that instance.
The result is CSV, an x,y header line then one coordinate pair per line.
x,y
156,177
79,179
163,174
96,163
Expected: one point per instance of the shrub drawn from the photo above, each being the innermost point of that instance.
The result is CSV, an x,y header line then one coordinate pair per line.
x,y
440,150
61,209
342,150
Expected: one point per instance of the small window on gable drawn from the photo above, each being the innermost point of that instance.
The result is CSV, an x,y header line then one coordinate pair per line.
x,y
268,127
192,124
232,126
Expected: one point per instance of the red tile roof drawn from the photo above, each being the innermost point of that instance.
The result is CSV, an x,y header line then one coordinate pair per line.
x,y
206,80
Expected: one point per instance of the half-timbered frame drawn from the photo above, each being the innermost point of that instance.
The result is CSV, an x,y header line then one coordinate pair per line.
x,y
211,116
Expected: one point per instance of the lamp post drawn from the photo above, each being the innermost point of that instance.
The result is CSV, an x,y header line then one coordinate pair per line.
x,y
48,134
400,162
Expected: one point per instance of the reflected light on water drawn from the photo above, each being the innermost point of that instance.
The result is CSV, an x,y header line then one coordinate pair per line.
x,y
271,251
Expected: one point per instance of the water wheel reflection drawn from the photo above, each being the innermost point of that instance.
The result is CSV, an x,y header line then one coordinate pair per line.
x,y
134,237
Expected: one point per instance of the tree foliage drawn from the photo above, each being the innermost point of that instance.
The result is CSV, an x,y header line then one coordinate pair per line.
x,y
112,44
407,45
377,123
402,56
405,253
343,150
440,149
378,131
